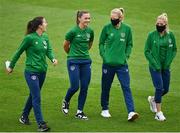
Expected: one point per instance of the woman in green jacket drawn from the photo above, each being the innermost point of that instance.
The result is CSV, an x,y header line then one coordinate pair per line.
x,y
115,45
37,47
77,43
160,50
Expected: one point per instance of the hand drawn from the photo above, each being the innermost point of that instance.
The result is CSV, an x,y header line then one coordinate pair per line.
x,y
55,62
9,70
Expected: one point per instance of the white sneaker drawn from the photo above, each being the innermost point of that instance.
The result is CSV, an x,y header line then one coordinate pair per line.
x,y
132,116
152,104
159,116
105,113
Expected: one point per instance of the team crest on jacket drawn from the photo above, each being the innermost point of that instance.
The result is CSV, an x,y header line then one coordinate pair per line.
x,y
111,34
88,36
45,44
170,41
78,35
123,34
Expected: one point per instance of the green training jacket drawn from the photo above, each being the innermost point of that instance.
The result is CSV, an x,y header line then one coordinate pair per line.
x,y
79,42
115,44
153,50
37,48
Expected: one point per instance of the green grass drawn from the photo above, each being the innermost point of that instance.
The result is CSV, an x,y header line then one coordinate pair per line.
x,y
141,15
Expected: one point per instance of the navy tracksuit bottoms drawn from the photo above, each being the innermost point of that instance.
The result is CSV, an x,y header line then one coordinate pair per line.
x,y
79,75
108,73
161,81
34,81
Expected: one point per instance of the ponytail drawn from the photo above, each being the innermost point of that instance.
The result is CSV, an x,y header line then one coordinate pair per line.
x,y
77,17
122,10
29,27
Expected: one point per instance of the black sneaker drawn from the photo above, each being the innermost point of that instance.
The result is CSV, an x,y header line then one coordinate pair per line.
x,y
81,116
65,107
43,127
24,120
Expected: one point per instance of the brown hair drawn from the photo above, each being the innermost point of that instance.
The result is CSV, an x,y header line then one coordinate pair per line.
x,y
33,25
79,15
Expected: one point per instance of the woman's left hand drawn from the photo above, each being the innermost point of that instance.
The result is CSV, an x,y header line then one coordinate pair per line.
x,y
55,62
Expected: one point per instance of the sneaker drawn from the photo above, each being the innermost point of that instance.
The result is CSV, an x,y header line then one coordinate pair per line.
x,y
24,120
43,127
159,116
132,116
105,113
152,104
65,107
81,116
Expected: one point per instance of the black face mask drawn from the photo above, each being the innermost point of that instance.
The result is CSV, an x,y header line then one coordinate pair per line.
x,y
115,21
160,28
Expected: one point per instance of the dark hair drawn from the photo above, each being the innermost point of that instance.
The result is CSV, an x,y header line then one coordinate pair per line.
x,y
79,14
33,25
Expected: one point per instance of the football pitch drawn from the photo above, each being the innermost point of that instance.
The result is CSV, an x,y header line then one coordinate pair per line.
x,y
60,14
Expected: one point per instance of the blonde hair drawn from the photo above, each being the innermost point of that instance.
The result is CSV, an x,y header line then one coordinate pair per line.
x,y
164,17
122,16
118,11
122,10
